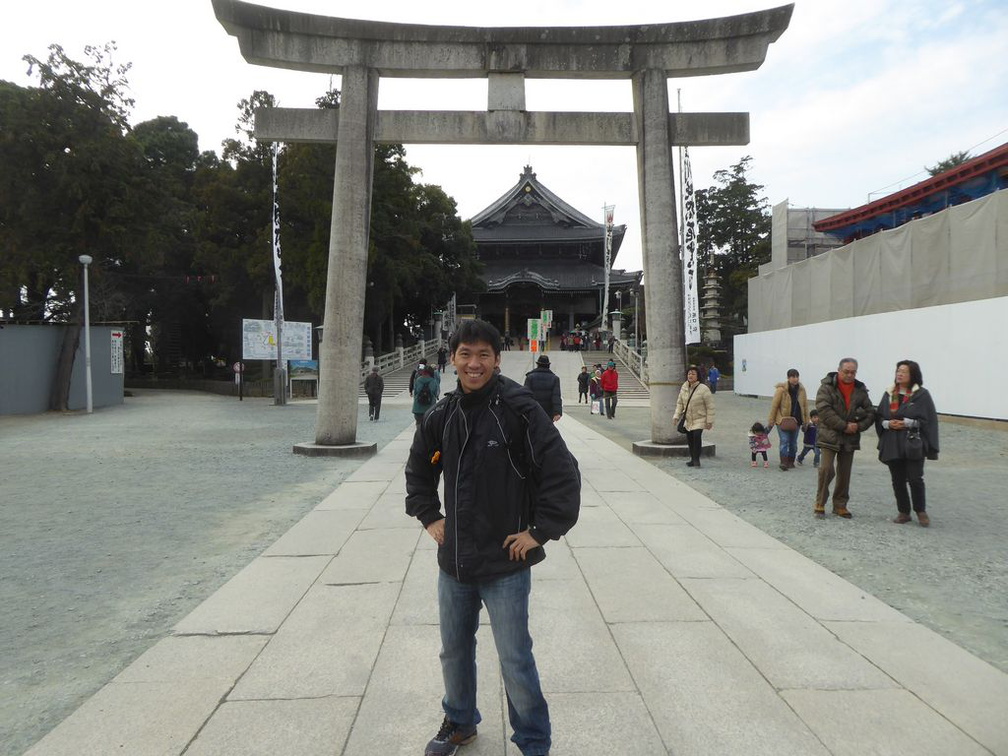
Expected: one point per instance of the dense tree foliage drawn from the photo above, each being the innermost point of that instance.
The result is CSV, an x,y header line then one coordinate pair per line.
x,y
181,241
952,161
734,235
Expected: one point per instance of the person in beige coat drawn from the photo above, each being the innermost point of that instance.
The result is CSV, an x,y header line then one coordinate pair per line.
x,y
789,412
695,406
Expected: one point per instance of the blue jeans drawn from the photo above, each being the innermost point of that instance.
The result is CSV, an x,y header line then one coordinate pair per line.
x,y
507,600
806,449
788,442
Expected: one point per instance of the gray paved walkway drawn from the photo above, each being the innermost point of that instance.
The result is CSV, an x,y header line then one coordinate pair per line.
x,y
663,624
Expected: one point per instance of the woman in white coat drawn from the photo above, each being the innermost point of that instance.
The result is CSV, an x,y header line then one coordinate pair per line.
x,y
694,413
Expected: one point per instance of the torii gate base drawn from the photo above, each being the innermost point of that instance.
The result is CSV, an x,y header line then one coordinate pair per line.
x,y
336,450
363,51
651,449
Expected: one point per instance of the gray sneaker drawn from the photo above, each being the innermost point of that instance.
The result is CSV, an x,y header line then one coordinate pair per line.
x,y
449,738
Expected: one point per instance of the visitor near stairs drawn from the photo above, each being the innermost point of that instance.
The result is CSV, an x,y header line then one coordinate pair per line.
x,y
510,485
583,379
374,385
845,411
610,385
545,387
426,389
789,412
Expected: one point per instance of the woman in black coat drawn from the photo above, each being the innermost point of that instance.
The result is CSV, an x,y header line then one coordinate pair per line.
x,y
907,424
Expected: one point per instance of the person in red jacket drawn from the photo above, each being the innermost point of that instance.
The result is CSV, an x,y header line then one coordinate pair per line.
x,y
610,385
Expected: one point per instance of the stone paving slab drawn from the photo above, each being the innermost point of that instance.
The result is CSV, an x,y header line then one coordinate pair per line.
x,y
323,531
704,694
788,646
257,599
879,722
686,552
326,647
373,556
964,689
302,727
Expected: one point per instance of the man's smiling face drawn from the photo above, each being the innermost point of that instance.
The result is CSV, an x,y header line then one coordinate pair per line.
x,y
475,364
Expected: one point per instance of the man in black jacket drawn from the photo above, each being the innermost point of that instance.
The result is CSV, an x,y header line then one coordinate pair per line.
x,y
510,486
545,387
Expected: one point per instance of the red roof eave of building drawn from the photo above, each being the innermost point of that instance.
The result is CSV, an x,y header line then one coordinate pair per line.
x,y
981,164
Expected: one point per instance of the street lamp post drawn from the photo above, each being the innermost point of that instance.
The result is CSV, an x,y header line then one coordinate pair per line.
x,y
86,260
636,328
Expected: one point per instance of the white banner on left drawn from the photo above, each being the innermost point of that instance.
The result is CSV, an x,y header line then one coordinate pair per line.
x,y
259,340
118,360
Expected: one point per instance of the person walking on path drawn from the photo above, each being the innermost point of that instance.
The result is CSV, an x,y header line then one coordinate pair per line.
x,y
789,412
442,358
584,378
425,392
610,385
907,425
809,440
595,392
421,366
713,376
694,413
490,439
374,385
545,387
845,411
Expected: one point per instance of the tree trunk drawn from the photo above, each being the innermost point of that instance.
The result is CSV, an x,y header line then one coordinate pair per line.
x,y
59,397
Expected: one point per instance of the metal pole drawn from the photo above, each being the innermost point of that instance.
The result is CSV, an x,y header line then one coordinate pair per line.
x,y
86,261
636,327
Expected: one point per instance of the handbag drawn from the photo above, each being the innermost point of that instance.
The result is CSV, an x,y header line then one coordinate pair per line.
x,y
914,444
788,424
681,427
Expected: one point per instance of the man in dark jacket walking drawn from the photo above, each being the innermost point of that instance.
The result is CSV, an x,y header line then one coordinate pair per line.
x,y
584,378
374,385
545,387
510,485
844,412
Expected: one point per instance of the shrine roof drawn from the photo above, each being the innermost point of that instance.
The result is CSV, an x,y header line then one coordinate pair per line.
x,y
529,212
553,275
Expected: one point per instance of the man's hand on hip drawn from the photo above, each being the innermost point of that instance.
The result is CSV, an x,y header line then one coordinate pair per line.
x,y
519,545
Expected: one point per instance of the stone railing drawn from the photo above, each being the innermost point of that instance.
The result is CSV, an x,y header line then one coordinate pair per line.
x,y
402,356
636,362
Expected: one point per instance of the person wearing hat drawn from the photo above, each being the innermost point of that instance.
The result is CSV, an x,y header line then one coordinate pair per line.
x,y
545,387
374,385
422,365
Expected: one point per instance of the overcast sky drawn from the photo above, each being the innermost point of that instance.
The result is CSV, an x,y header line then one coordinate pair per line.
x,y
853,101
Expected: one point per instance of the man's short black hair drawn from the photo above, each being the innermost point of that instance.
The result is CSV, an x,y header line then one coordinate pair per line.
x,y
793,372
475,331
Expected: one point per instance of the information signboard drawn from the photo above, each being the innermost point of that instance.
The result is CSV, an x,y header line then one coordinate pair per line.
x,y
117,353
259,340
535,329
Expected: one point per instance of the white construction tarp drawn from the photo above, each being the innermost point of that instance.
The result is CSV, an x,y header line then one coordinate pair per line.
x,y
957,255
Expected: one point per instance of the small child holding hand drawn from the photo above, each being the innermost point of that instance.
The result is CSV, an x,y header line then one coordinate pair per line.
x,y
759,443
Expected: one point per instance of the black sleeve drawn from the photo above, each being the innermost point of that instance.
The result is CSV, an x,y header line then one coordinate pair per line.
x,y
557,401
422,475
556,479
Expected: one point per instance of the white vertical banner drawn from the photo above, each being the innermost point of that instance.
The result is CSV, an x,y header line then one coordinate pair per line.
x,y
278,298
690,256
609,211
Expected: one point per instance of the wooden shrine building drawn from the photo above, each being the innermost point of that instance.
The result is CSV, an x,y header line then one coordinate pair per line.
x,y
539,253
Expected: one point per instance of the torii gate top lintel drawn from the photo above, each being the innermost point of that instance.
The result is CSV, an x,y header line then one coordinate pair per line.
x,y
302,41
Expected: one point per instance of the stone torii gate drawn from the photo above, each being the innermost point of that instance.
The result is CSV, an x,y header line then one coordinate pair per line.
x,y
363,51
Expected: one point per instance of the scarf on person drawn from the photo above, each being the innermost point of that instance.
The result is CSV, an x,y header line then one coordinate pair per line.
x,y
896,398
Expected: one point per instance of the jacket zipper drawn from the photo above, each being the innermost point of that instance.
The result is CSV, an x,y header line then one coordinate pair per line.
x,y
458,470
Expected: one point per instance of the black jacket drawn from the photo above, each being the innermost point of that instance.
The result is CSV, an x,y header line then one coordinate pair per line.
x,y
920,407
505,468
545,387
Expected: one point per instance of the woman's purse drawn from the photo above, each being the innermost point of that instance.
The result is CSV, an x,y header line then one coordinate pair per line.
x,y
788,424
914,444
681,428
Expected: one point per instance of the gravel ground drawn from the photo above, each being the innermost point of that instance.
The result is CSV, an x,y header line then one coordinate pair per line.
x,y
951,577
114,527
